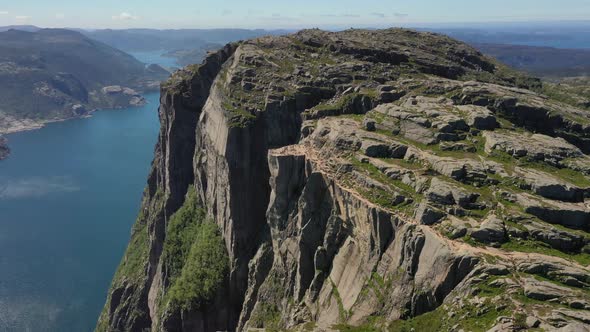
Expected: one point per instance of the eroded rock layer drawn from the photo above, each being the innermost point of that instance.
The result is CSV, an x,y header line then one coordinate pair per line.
x,y
387,179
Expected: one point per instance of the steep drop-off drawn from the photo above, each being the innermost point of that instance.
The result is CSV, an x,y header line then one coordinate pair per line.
x,y
389,179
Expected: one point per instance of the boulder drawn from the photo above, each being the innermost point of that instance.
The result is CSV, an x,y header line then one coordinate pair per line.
x,y
490,231
551,187
479,117
428,215
544,290
572,215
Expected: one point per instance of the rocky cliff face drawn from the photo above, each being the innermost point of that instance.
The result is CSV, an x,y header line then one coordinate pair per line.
x,y
386,179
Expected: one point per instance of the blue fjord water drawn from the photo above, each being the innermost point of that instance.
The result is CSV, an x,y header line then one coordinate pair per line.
x,y
69,194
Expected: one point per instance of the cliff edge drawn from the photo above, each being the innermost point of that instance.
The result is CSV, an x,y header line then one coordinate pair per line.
x,y
389,179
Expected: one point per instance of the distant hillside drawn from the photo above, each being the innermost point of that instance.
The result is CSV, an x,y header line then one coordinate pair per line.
x,y
56,74
29,28
169,40
541,61
185,57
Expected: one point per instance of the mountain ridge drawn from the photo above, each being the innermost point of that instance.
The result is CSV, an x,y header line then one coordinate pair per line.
x,y
386,179
57,74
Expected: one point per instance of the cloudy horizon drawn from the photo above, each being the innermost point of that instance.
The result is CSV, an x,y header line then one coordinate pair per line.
x,y
267,14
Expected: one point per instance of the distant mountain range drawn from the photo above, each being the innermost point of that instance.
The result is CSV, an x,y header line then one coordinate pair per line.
x,y
131,40
55,74
29,28
541,61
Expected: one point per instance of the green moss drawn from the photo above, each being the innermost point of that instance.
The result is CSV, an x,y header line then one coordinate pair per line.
x,y
380,194
362,328
566,94
181,233
468,318
567,174
194,257
132,267
341,311
267,316
204,271
334,108
543,248
239,117
135,259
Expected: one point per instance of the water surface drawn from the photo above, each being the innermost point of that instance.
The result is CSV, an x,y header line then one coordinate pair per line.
x,y
69,194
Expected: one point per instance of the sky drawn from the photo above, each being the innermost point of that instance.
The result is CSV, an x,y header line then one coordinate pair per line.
x,y
277,14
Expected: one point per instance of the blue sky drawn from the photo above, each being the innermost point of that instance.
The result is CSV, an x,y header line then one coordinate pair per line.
x,y
282,13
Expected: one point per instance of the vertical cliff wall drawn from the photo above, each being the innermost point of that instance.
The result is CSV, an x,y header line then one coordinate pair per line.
x,y
354,178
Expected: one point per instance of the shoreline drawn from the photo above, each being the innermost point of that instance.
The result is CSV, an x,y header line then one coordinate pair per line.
x,y
25,125
29,125
35,125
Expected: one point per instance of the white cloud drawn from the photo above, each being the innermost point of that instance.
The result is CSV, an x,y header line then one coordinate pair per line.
x,y
125,17
22,18
380,15
60,16
2,12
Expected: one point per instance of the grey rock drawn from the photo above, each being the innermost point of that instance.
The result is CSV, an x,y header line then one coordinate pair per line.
x,y
490,231
428,215
532,322
479,117
543,290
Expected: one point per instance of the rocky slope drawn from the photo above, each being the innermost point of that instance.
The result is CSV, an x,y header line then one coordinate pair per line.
x,y
55,74
391,180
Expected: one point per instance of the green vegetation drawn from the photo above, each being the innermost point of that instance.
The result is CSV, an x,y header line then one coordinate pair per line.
x,y
362,328
341,311
181,233
543,248
194,256
468,317
567,174
135,258
132,266
240,118
567,94
267,316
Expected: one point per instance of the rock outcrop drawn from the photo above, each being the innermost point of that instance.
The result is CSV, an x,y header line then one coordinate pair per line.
x,y
359,178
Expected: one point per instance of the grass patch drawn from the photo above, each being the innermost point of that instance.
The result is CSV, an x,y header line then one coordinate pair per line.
x,y
529,246
468,318
363,328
